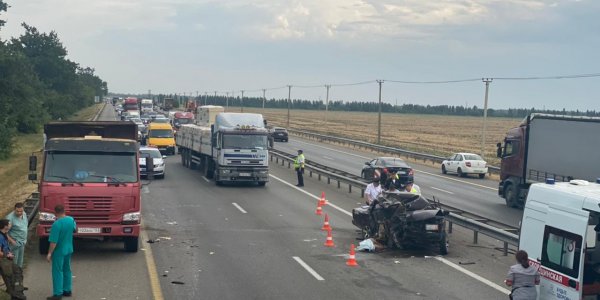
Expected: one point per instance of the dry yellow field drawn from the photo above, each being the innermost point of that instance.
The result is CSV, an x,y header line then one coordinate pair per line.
x,y
433,134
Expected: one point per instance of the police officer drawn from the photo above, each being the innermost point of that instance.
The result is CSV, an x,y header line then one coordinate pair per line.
x,y
299,167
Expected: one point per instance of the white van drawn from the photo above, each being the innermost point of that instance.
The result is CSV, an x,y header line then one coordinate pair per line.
x,y
560,231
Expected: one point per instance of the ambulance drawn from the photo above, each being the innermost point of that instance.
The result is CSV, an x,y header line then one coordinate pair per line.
x,y
560,231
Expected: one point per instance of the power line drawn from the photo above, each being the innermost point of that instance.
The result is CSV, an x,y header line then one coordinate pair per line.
x,y
434,82
549,77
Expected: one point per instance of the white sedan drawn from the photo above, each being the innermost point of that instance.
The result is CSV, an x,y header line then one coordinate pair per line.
x,y
159,161
465,163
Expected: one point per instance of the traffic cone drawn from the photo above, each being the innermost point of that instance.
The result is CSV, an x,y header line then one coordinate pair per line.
x,y
319,210
352,258
329,241
326,223
323,201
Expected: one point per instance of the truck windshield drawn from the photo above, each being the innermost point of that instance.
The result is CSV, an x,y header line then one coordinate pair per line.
x,y
70,166
244,141
161,133
147,105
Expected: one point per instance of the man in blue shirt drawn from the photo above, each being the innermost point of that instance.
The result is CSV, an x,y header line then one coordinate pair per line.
x,y
17,235
59,253
11,273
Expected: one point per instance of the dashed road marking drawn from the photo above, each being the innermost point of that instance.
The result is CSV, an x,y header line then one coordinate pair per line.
x,y
473,275
311,195
308,268
433,187
239,207
205,179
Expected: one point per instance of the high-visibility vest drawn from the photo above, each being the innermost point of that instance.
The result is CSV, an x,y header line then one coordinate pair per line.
x,y
299,161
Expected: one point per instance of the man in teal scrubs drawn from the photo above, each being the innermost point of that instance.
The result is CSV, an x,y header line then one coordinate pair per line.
x,y
59,253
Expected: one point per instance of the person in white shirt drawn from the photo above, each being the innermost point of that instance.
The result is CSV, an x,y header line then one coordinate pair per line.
x,y
372,191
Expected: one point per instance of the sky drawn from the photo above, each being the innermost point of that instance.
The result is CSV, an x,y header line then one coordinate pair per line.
x,y
199,46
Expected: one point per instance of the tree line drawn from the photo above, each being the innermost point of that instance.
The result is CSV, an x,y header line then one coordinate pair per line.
x,y
363,106
38,83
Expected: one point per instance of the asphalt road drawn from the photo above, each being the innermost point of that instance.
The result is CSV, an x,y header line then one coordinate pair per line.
x,y
250,242
470,194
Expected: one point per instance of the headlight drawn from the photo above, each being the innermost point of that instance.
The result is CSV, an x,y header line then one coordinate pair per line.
x,y
44,216
132,217
263,172
431,227
225,171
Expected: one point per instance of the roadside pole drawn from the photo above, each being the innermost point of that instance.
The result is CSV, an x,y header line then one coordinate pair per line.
x,y
379,115
264,98
289,103
327,86
242,101
485,108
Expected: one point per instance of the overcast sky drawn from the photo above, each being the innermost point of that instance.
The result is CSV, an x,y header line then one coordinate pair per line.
x,y
186,46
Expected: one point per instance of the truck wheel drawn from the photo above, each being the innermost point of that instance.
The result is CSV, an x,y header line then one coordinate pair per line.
x,y
444,170
183,158
444,244
460,173
511,195
131,244
43,245
208,170
481,176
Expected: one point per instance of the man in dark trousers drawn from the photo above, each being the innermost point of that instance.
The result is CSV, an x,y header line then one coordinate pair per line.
x,y
59,253
11,273
299,168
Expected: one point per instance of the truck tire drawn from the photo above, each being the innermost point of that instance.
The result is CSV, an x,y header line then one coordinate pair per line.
x,y
44,245
208,170
511,195
183,157
131,244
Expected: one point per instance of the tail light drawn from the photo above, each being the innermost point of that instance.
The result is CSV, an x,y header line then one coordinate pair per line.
x,y
468,164
411,172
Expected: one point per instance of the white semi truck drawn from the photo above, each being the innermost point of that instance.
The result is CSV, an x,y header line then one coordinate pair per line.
x,y
227,147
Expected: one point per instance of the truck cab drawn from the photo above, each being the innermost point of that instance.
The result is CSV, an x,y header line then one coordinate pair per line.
x,y
560,231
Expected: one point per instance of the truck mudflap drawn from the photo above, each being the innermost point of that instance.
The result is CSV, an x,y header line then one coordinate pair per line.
x,y
96,230
259,175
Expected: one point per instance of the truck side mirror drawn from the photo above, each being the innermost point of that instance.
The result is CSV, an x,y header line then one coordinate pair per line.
x,y
32,163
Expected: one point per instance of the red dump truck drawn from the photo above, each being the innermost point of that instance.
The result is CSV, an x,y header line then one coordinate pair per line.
x,y
92,169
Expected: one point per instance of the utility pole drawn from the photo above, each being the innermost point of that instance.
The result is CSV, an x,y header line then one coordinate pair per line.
x,y
289,103
327,86
380,82
242,101
205,98
485,108
264,98
227,100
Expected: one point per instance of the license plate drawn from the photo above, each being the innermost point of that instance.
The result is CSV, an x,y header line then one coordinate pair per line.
x,y
401,173
88,230
245,174
431,227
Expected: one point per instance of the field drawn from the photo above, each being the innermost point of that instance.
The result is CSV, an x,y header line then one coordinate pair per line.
x,y
13,171
432,134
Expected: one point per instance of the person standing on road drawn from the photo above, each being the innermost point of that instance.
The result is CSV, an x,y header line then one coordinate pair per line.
x,y
59,253
523,278
11,273
17,235
412,188
299,167
372,191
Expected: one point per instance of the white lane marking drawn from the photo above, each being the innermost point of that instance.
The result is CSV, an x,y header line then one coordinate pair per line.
x,y
433,187
205,179
473,275
239,207
311,195
424,172
327,157
308,268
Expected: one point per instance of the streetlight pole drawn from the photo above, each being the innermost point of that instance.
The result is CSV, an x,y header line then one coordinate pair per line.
x,y
289,103
227,100
327,86
380,82
264,98
485,108
242,101
205,98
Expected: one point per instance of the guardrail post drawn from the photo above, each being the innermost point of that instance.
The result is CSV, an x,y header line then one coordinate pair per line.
x,y
362,193
328,180
310,173
475,236
339,186
449,227
319,177
505,248
289,165
349,188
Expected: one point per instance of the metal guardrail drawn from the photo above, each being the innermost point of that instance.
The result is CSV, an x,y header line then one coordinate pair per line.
x,y
380,148
504,235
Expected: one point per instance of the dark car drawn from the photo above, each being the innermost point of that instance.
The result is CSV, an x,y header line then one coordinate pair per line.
x,y
279,134
378,166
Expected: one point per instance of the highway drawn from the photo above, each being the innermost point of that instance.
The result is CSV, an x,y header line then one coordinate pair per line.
x,y
250,242
470,194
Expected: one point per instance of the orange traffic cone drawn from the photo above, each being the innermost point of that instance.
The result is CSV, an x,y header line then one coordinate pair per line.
x,y
326,223
323,201
319,210
352,258
329,241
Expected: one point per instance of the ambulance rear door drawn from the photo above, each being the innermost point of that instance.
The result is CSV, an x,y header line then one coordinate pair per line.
x,y
562,256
